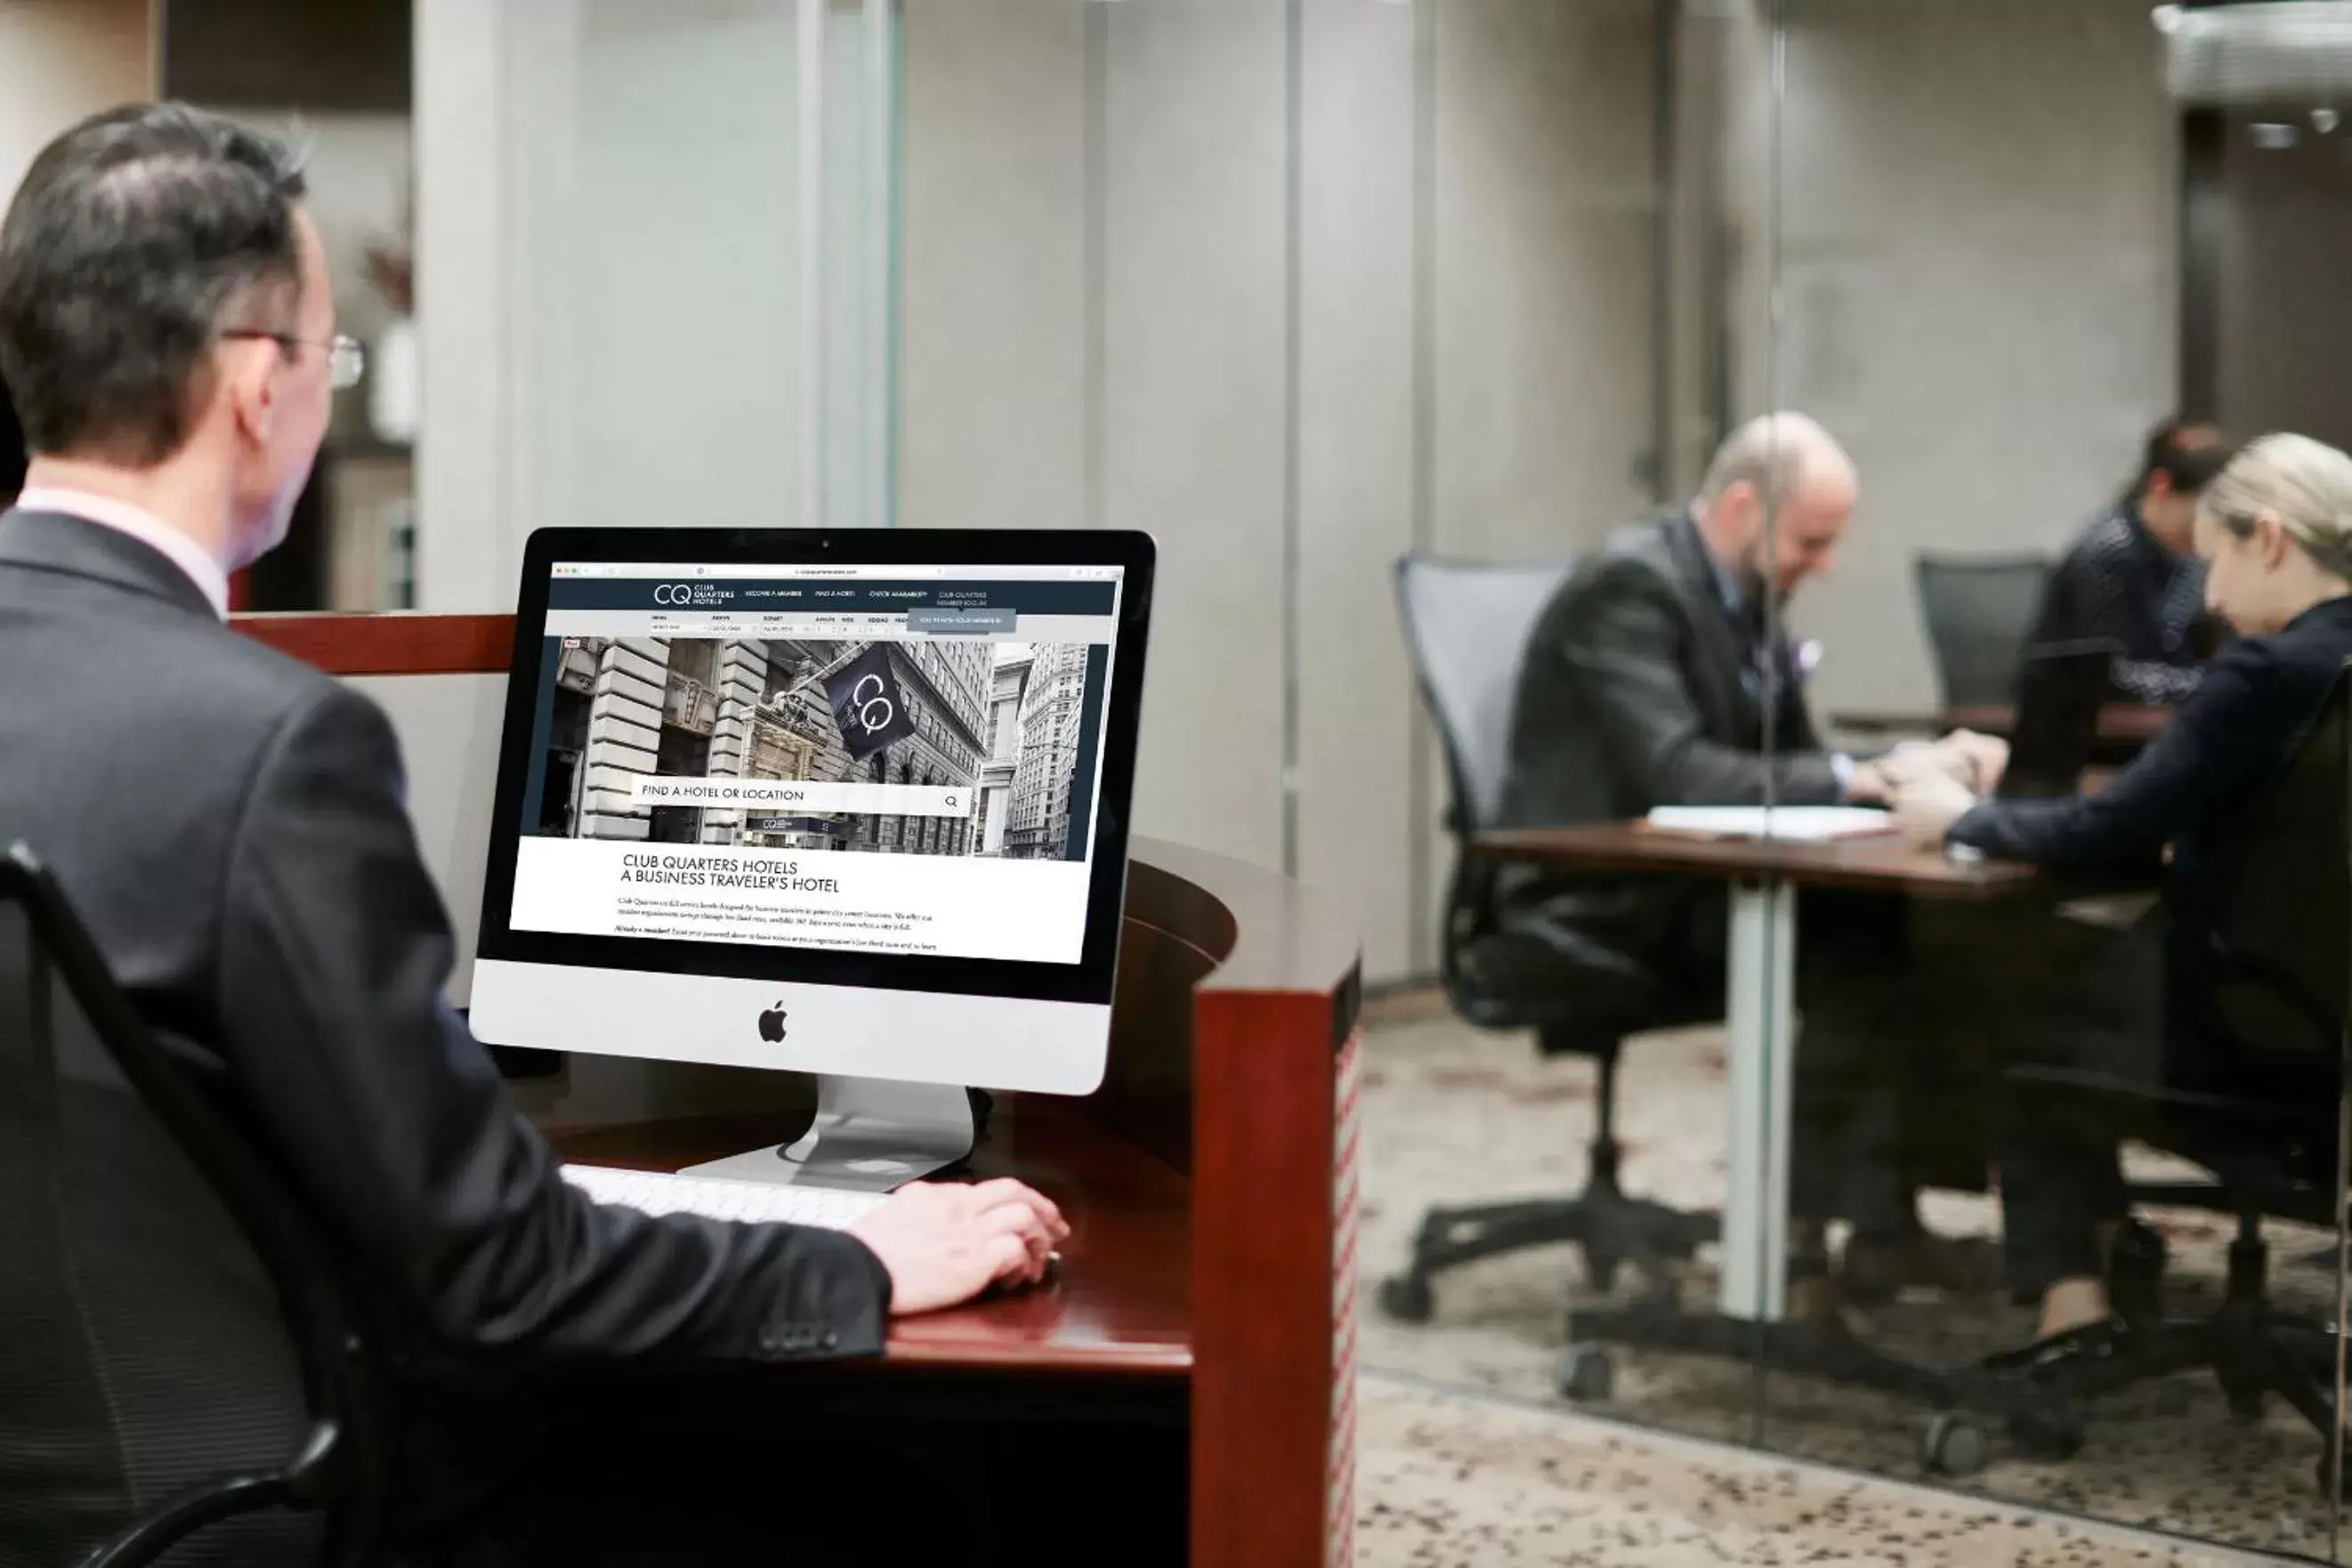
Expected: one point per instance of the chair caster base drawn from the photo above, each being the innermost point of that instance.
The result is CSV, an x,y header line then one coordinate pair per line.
x,y
1951,1444
1407,1299
1587,1375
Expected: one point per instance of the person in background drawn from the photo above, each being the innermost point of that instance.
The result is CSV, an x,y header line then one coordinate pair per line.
x,y
1661,675
2132,577
167,329
2274,530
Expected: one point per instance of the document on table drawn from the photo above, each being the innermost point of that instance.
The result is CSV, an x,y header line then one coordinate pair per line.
x,y
1797,824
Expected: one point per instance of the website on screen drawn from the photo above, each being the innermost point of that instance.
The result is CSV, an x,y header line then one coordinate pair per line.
x,y
886,759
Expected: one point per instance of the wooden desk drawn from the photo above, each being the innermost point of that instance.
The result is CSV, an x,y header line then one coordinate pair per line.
x,y
1198,1354
2124,727
1883,864
1760,992
1122,1306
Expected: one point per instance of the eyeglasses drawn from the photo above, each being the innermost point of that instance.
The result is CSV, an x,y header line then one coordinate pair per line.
x,y
346,359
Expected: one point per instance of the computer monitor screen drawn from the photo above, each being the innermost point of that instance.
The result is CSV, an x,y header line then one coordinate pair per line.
x,y
789,800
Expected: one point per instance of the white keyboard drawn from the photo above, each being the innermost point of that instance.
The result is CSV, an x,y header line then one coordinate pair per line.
x,y
658,1193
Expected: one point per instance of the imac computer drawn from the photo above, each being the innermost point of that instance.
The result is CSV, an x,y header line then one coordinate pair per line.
x,y
851,802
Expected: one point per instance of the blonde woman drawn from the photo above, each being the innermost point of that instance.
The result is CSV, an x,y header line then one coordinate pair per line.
x,y
2275,532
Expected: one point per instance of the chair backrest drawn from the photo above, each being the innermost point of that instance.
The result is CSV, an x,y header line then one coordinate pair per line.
x,y
2266,967
1979,612
1466,625
177,1346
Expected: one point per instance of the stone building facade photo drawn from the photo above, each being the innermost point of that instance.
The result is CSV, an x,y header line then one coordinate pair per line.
x,y
1036,702
1038,824
629,707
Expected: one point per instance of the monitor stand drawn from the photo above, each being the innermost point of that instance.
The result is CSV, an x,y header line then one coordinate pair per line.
x,y
870,1135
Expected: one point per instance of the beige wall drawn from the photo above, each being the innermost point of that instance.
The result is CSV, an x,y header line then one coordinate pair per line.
x,y
1544,240
466,557
1977,267
992,416
1541,354
60,60
1356,462
1540,391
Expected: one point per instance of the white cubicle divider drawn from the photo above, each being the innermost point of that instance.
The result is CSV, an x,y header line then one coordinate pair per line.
x,y
450,726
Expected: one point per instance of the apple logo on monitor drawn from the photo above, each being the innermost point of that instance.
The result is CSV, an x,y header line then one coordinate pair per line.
x,y
771,1024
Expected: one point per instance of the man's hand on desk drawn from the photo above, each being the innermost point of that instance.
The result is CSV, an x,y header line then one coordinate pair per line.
x,y
944,1243
1973,762
1869,785
1927,805
1877,782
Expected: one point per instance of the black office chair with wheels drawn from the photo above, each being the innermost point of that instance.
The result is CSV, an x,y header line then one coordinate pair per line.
x,y
135,1217
1467,626
2252,1074
1979,612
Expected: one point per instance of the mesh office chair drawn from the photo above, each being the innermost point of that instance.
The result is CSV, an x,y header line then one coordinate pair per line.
x,y
1467,626
2251,1077
1979,612
168,1311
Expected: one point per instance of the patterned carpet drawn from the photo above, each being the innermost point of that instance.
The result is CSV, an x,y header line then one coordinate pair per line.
x,y
1453,1481
1453,1115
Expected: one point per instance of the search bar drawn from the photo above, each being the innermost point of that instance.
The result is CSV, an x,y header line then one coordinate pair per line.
x,y
803,795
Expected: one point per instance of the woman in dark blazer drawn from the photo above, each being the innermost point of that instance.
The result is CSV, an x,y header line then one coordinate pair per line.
x,y
2275,532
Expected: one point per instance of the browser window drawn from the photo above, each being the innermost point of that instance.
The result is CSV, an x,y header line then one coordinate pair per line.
x,y
882,759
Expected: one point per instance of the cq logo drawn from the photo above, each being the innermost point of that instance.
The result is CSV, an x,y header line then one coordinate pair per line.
x,y
674,594
864,702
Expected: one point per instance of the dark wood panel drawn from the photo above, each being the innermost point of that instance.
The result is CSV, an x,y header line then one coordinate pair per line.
x,y
2204,137
400,643
2281,213
318,55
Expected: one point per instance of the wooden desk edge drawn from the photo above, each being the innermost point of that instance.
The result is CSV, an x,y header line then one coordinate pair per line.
x,y
1145,1363
1586,849
396,643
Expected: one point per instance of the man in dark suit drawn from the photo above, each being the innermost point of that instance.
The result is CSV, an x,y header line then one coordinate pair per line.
x,y
1661,675
230,824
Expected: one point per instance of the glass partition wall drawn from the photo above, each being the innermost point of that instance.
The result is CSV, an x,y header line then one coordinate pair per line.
x,y
700,259
1992,250
1310,288
2027,262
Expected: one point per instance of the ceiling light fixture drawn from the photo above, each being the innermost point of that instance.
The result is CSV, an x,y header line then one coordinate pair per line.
x,y
2291,54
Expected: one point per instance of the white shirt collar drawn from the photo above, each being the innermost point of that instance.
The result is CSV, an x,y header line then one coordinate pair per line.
x,y
144,526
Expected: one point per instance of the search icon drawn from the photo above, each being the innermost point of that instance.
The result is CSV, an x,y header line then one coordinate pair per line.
x,y
954,802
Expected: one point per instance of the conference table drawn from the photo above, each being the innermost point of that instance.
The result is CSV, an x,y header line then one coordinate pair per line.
x,y
1764,876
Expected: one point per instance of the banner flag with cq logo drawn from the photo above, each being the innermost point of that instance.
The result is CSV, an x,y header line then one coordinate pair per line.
x,y
867,707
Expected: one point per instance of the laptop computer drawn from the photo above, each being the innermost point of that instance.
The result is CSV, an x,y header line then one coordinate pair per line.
x,y
2059,696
